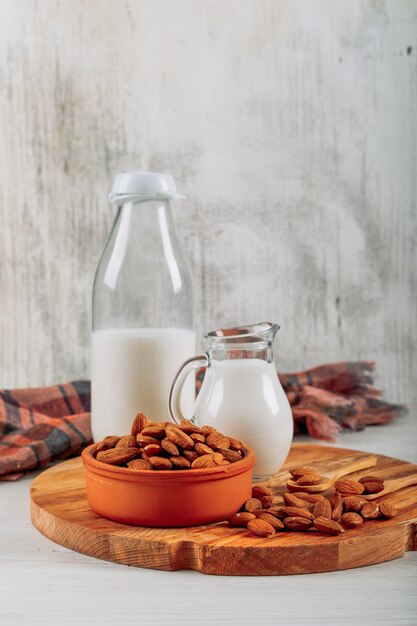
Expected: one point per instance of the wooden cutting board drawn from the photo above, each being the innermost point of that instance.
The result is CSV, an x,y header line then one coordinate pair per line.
x,y
61,512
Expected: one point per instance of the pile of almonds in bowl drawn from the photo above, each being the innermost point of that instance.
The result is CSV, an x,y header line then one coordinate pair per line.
x,y
264,515
166,446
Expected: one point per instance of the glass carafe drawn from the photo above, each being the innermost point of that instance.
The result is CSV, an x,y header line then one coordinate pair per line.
x,y
241,395
143,316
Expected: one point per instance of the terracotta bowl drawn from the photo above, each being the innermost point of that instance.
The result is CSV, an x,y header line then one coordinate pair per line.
x,y
167,497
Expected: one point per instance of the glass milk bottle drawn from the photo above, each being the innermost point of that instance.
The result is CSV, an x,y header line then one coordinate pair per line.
x,y
143,316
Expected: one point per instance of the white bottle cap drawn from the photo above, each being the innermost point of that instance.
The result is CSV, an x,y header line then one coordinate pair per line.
x,y
131,186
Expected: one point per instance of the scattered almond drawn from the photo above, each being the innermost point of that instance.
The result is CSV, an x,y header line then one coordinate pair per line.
x,y
353,503
369,510
241,518
259,492
274,521
387,509
252,504
329,526
261,527
351,520
337,506
293,511
297,523
349,487
292,500
322,509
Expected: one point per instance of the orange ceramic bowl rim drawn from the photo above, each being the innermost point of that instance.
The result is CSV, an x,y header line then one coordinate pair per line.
x,y
167,476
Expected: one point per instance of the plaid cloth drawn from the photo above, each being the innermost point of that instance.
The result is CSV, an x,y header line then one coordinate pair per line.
x,y
39,426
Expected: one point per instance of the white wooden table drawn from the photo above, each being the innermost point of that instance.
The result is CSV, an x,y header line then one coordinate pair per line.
x,y
43,583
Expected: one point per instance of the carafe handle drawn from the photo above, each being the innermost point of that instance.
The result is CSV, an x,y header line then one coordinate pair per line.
x,y
174,400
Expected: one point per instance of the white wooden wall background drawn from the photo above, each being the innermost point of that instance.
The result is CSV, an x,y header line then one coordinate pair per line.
x,y
291,126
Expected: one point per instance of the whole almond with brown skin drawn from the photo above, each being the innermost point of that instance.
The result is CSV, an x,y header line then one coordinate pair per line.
x,y
191,455
203,461
353,503
138,424
293,511
297,523
351,520
177,436
230,455
160,463
235,444
349,487
297,472
329,526
154,431
252,504
218,459
259,492
117,456
310,479
241,518
336,503
267,502
274,521
180,462
260,527
387,509
207,430
371,479
322,509
292,500
143,440
201,449
169,446
106,444
129,441
369,510
214,440
152,449
139,464
373,487
190,429
197,437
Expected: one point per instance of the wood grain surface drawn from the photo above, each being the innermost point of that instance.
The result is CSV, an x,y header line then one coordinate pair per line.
x,y
290,126
61,512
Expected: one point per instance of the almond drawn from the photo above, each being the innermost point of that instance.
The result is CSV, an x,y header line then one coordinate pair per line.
x,y
180,462
189,428
154,431
230,455
274,521
197,437
191,455
203,461
235,444
267,502
106,444
349,487
252,504
129,441
387,509
371,479
138,424
169,446
177,436
160,463
260,527
207,430
143,440
373,487
218,459
117,456
353,503
215,440
337,506
276,511
297,523
292,500
201,449
152,449
351,520
310,479
293,511
139,464
369,510
322,509
329,526
259,492
241,518
297,472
